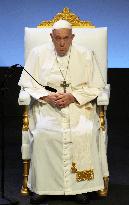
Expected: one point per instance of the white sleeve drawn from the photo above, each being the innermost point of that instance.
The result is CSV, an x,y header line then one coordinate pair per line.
x,y
91,89
27,82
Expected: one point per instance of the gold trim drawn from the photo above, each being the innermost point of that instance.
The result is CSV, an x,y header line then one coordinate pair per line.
x,y
26,166
26,163
82,175
102,117
66,14
25,118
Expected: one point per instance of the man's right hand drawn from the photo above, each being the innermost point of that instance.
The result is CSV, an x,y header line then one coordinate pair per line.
x,y
51,99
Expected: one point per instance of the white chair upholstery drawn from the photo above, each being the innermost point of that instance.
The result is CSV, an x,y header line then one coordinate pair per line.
x,y
24,98
103,99
92,38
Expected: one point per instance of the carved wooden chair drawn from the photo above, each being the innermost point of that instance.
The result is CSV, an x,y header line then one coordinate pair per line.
x,y
89,36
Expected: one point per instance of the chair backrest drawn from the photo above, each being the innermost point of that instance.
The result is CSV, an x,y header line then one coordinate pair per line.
x,y
92,38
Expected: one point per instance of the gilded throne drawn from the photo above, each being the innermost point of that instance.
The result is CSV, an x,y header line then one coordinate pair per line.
x,y
96,40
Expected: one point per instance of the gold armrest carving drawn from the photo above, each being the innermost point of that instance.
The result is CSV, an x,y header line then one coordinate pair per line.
x,y
25,119
102,117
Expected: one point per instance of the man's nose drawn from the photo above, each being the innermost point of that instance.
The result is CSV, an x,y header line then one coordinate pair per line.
x,y
62,42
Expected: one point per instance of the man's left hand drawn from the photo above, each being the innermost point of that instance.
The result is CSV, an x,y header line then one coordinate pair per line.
x,y
64,99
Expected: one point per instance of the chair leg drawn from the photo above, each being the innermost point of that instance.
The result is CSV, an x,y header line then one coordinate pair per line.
x,y
26,166
104,192
102,117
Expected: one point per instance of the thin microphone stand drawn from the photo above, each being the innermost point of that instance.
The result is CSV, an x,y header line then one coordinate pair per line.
x,y
3,89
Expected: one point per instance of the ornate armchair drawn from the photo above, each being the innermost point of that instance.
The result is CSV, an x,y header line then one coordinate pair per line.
x,y
96,40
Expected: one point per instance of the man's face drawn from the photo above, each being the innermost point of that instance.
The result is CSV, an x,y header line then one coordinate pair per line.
x,y
62,39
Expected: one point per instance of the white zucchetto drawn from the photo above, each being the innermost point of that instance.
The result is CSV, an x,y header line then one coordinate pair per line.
x,y
61,24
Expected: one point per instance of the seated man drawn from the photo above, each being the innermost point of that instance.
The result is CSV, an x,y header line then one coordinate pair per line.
x,y
64,124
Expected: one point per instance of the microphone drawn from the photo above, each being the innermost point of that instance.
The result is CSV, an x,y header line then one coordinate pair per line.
x,y
46,87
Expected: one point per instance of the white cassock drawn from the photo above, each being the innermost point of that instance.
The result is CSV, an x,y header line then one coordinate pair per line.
x,y
64,142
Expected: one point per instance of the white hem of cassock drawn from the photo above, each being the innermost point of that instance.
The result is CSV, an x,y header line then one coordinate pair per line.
x,y
67,192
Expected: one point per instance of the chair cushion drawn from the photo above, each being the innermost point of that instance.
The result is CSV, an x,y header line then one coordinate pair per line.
x,y
92,38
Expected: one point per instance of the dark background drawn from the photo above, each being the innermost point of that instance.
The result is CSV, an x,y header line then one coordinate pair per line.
x,y
118,135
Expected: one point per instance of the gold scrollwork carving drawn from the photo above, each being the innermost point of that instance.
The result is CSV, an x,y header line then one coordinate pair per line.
x,y
66,14
102,117
25,119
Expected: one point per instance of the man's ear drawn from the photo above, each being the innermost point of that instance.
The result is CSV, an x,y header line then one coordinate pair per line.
x,y
51,36
73,35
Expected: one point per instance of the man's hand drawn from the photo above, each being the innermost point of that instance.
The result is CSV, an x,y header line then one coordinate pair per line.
x,y
51,99
59,100
64,99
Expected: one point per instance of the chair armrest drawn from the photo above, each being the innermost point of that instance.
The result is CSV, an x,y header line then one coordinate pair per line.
x,y
24,98
103,98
